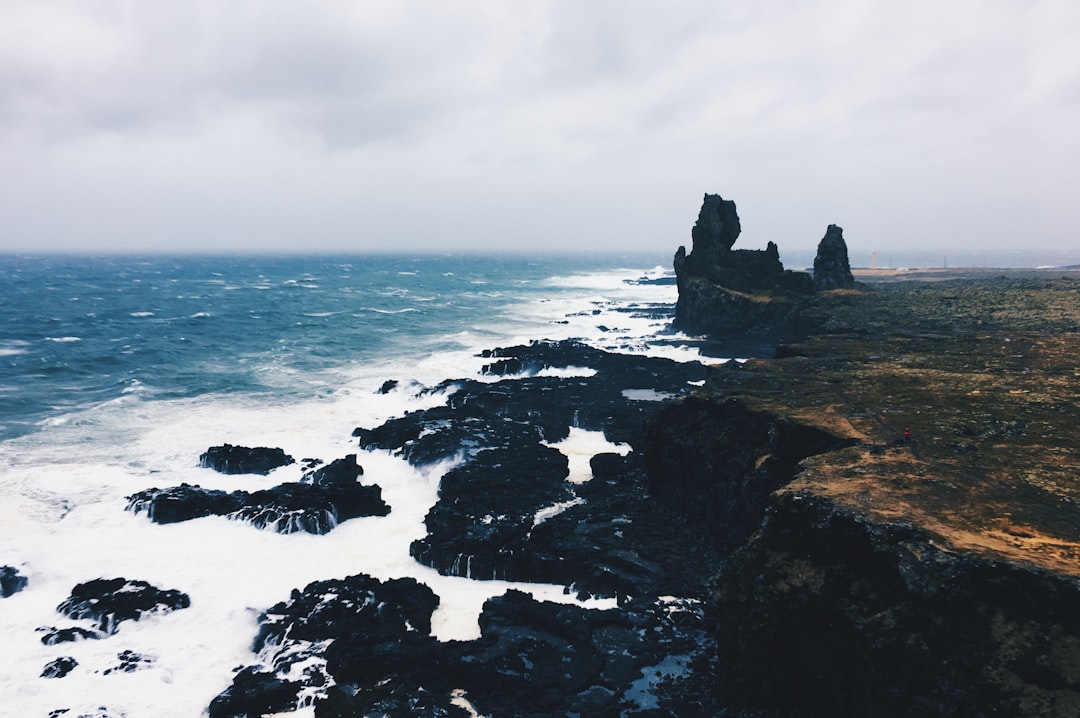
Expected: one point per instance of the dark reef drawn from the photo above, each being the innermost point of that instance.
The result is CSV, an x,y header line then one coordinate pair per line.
x,y
370,643
229,459
317,504
109,602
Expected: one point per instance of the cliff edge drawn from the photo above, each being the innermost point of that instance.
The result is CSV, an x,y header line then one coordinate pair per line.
x,y
906,532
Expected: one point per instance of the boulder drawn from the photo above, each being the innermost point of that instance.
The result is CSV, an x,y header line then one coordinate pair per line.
x,y
254,693
10,581
59,667
339,472
110,602
831,267
229,459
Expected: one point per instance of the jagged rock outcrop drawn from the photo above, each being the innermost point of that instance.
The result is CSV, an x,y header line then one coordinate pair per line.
x,y
360,646
831,267
108,602
507,511
11,582
59,667
723,290
229,459
317,504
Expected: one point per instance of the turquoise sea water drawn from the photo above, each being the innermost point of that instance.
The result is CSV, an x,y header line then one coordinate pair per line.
x,y
79,330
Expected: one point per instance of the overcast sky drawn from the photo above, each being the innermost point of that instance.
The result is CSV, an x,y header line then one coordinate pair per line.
x,y
359,125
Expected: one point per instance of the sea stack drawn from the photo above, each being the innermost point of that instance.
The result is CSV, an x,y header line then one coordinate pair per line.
x,y
725,290
831,267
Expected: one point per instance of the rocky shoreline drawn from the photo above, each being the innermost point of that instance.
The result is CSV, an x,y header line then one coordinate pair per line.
x,y
876,514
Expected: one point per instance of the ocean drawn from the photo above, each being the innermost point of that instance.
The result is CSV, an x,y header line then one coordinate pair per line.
x,y
117,372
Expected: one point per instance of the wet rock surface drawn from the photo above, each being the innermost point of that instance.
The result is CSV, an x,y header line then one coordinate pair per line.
x,y
109,602
53,636
129,662
365,647
319,502
229,459
59,667
508,511
11,582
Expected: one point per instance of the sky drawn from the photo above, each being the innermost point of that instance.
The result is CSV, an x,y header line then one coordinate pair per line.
x,y
523,125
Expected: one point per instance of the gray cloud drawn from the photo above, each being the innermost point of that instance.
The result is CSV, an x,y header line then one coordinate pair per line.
x,y
542,124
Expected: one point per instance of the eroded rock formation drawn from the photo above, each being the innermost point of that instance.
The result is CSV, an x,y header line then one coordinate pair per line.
x,y
831,267
109,602
723,290
317,504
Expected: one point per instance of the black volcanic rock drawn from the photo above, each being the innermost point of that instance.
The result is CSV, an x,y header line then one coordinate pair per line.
x,y
229,459
254,693
289,507
60,667
363,647
371,634
316,509
10,581
337,473
724,483
324,498
724,290
109,602
831,267
129,662
508,486
64,635
184,502
507,511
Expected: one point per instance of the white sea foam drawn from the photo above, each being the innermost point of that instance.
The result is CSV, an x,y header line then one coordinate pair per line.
x,y
580,446
64,524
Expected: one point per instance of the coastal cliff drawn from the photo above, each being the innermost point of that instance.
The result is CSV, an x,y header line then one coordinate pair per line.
x,y
905,530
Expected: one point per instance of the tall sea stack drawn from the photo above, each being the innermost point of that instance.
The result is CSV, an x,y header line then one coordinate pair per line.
x,y
831,267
